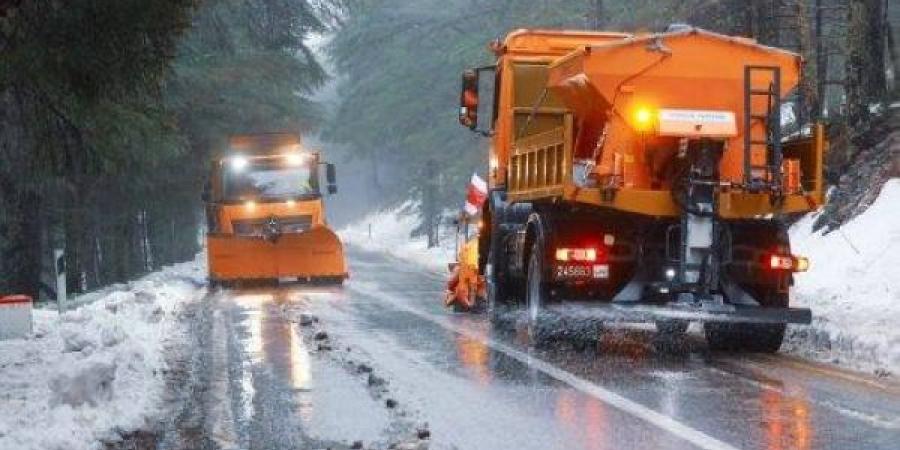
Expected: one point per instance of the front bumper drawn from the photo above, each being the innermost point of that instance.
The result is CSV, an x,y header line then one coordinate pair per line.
x,y
316,253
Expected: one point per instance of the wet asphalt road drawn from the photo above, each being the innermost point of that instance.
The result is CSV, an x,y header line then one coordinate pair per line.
x,y
380,361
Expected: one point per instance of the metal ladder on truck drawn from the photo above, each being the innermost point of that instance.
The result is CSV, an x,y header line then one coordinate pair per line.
x,y
765,178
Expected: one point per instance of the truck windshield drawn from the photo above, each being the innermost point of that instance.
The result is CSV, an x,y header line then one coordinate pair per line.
x,y
269,181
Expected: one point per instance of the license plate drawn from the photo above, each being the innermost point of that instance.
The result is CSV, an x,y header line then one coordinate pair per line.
x,y
574,271
583,271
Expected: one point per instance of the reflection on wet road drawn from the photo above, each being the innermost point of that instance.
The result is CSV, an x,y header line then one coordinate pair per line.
x,y
481,388
286,396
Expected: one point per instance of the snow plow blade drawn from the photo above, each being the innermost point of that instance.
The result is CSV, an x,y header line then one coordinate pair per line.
x,y
314,254
617,312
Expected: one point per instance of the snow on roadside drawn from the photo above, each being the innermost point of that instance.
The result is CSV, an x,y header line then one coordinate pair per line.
x,y
97,371
391,232
853,288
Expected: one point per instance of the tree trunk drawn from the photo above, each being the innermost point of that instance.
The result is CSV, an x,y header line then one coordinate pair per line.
x,y
763,25
893,53
808,83
21,247
818,106
596,19
866,79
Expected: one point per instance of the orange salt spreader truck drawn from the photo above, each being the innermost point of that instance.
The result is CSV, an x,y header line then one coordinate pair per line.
x,y
266,215
644,178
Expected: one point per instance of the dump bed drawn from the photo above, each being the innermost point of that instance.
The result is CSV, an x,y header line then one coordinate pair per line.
x,y
689,71
626,103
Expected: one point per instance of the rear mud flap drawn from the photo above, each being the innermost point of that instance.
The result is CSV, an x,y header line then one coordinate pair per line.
x,y
317,253
618,312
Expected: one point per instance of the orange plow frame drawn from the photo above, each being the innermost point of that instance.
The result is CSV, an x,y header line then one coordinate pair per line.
x,y
314,254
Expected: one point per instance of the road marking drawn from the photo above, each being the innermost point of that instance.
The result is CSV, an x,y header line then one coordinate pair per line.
x,y
221,417
611,398
824,370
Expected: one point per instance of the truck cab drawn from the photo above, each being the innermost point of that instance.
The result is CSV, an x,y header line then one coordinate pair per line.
x,y
266,213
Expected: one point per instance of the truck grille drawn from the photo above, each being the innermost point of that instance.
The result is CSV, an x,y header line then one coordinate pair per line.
x,y
285,225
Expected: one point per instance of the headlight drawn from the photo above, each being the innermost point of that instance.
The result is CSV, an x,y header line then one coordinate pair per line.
x,y
239,163
295,159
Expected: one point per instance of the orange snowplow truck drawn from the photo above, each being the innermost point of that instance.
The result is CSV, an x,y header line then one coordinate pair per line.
x,y
644,178
266,216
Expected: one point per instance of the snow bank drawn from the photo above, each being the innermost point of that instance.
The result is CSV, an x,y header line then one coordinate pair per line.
x,y
96,371
853,288
391,232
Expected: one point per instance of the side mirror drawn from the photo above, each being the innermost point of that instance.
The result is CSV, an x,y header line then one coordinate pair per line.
x,y
331,178
468,100
477,100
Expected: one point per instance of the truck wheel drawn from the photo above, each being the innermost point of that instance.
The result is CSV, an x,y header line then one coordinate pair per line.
x,y
537,295
753,338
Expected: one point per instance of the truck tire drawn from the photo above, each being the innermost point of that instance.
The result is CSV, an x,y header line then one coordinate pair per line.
x,y
537,295
744,337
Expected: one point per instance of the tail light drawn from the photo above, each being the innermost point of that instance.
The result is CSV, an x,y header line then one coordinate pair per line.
x,y
576,254
789,263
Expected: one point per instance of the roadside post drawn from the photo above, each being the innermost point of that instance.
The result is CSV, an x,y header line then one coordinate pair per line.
x,y
59,259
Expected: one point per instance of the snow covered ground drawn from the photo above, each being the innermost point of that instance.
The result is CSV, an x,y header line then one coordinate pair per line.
x,y
389,232
853,288
96,371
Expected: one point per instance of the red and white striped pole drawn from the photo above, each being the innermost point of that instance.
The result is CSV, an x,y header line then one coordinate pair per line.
x,y
475,195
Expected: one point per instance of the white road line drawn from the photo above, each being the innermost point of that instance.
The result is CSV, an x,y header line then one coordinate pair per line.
x,y
613,399
790,362
221,417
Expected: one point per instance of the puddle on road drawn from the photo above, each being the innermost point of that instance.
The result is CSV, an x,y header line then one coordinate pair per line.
x,y
327,403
